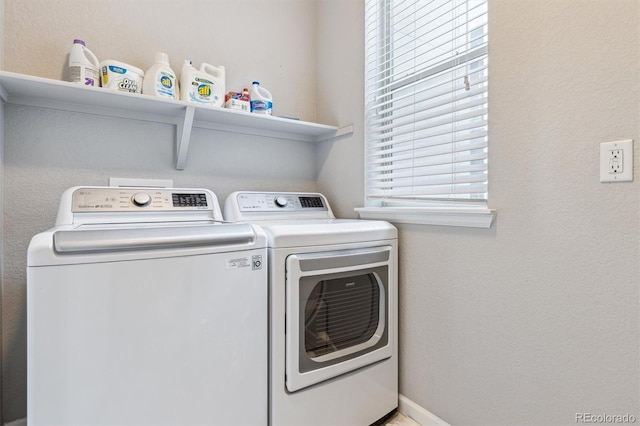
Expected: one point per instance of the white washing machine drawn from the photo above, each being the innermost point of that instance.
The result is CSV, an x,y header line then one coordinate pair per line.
x,y
333,310
144,309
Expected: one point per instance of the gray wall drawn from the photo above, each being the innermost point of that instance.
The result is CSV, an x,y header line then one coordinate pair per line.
x,y
47,151
531,329
536,319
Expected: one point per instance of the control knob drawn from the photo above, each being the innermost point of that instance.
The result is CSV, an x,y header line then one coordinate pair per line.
x,y
280,201
141,199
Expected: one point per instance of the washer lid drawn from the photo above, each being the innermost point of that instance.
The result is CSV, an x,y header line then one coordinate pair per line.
x,y
108,240
66,245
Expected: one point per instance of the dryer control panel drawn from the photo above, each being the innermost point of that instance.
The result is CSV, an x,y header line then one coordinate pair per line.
x,y
250,205
264,202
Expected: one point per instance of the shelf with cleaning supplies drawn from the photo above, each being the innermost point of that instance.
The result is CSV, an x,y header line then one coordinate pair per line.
x,y
20,89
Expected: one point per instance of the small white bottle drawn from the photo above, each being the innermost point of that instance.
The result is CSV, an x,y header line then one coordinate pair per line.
x,y
261,99
160,80
83,65
186,75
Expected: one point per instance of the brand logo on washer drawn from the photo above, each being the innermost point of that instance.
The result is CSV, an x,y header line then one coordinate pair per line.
x,y
256,262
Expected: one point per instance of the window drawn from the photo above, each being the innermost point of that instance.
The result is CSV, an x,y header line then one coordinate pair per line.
x,y
426,110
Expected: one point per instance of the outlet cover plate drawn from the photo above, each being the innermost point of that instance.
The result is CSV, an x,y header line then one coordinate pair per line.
x,y
616,161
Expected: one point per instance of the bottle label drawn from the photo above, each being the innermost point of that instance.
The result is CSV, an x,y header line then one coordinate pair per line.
x,y
128,85
117,70
260,106
82,74
165,86
202,91
119,78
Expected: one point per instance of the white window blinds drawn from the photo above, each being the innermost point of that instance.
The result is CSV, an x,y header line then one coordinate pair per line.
x,y
426,101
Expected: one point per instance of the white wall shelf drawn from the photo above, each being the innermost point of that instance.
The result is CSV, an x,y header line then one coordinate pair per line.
x,y
20,89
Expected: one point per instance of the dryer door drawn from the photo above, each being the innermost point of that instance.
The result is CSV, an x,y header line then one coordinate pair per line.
x,y
337,313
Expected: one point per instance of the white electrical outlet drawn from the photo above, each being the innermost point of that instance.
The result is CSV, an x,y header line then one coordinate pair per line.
x,y
616,165
616,161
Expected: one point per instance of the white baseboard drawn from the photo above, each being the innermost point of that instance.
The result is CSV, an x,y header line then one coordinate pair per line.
x,y
19,422
419,414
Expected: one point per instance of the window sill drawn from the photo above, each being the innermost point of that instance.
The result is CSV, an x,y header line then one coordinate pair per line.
x,y
466,217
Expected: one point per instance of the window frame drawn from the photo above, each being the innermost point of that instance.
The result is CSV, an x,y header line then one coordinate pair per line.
x,y
465,213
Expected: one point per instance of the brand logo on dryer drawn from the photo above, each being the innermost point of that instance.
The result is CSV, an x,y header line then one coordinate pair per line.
x,y
256,262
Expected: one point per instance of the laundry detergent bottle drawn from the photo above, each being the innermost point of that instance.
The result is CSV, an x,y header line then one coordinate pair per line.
x,y
160,80
261,99
203,86
83,65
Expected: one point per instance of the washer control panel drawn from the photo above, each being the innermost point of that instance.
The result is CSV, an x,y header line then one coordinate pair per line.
x,y
277,202
137,199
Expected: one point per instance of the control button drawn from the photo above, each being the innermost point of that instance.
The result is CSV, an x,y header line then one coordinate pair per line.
x,y
141,199
280,201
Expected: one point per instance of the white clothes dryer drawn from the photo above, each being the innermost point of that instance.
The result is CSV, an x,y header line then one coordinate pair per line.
x,y
333,310
144,309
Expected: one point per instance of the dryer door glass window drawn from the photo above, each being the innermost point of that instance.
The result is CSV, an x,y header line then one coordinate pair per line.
x,y
337,313
342,316
341,313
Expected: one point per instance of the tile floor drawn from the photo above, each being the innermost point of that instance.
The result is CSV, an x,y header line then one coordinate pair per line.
x,y
401,420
